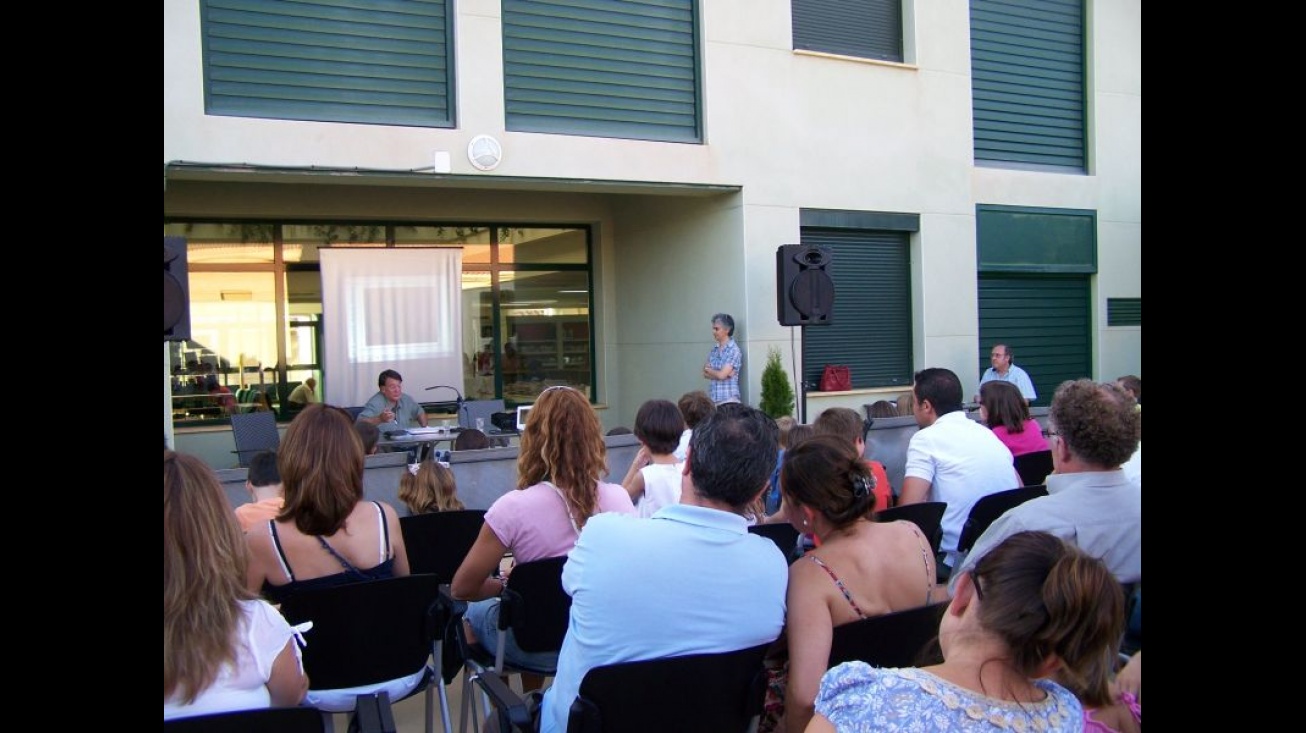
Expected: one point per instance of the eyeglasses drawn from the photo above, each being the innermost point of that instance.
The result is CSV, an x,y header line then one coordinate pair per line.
x,y
974,580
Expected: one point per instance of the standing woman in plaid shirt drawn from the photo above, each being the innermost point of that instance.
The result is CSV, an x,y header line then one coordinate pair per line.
x,y
723,362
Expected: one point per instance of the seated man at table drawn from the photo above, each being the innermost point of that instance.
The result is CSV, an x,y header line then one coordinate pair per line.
x,y
390,410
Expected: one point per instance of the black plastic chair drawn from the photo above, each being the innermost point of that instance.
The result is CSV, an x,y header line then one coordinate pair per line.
x,y
254,432
782,534
1034,467
437,543
898,639
262,720
368,633
696,693
988,508
533,605
928,515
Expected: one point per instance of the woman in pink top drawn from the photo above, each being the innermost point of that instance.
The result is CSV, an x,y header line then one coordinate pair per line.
x,y
1003,409
559,467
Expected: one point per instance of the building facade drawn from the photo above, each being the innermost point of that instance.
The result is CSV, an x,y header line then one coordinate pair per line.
x,y
614,172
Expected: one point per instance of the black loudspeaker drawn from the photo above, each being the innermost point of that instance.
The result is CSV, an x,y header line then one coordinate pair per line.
x,y
176,290
804,290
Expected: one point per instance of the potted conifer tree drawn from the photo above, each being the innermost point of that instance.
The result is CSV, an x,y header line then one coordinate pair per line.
x,y
777,393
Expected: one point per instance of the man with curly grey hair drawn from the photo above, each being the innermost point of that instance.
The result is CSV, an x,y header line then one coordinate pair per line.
x,y
1093,429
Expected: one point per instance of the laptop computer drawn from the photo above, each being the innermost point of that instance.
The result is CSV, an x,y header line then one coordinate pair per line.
x,y
521,416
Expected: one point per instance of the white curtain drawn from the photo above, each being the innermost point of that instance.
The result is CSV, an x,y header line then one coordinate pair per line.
x,y
395,309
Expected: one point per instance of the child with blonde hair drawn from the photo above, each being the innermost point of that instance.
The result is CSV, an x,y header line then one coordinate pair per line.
x,y
428,487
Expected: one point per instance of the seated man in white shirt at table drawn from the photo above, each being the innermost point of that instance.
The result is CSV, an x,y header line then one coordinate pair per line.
x,y
1003,370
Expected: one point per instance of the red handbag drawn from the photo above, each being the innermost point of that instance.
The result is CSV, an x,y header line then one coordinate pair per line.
x,y
836,378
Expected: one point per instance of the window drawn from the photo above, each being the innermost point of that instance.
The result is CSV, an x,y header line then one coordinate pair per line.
x,y
608,69
256,304
370,61
871,329
1027,77
870,29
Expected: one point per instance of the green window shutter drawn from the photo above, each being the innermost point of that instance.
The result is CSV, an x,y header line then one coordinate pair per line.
x,y
1124,311
604,68
368,61
1027,76
869,29
871,320
1045,320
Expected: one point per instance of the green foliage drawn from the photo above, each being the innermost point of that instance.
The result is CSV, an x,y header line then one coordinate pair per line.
x,y
777,393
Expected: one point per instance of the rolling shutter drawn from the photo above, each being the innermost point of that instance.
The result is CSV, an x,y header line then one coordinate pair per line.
x,y
869,29
871,318
1027,76
1046,321
625,69
368,61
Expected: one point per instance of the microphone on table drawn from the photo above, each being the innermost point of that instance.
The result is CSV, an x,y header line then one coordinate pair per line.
x,y
461,401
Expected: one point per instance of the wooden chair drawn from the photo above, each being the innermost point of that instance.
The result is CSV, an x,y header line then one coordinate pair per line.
x,y
899,639
928,515
1034,467
696,693
369,633
253,432
989,508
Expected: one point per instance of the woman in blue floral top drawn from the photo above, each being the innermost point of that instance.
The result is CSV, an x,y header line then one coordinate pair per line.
x,y
1032,607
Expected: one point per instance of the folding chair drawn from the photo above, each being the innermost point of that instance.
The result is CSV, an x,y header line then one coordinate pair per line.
x,y
898,639
1034,467
696,693
782,534
537,610
369,633
437,543
261,720
253,432
988,508
928,515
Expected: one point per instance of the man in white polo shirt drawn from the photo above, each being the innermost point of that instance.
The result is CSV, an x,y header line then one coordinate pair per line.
x,y
951,458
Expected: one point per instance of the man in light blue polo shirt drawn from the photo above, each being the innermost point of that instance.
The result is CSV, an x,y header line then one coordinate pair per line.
x,y
1003,370
691,579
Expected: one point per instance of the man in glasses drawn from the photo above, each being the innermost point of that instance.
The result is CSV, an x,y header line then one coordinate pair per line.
x,y
1091,501
1003,370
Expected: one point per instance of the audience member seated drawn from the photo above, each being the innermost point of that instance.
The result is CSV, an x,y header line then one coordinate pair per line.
x,y
690,580
263,483
1004,410
1030,608
653,480
860,567
221,397
303,395
771,497
471,439
1134,386
951,458
369,434
847,424
882,408
694,408
223,648
560,466
327,534
797,434
906,403
429,487
1090,501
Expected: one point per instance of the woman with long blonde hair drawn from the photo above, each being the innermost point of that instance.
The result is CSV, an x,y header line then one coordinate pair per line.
x,y
560,467
223,649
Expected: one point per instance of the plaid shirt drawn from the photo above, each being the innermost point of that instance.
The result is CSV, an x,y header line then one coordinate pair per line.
x,y
725,390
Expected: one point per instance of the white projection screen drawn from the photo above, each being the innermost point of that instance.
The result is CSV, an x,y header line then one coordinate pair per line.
x,y
391,308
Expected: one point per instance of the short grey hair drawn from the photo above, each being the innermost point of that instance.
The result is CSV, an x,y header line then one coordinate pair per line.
x,y
725,320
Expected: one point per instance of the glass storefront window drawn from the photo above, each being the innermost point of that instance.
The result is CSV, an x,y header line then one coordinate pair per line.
x,y
537,334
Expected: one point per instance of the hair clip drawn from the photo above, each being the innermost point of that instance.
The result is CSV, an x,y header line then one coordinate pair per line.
x,y
412,468
862,486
